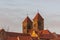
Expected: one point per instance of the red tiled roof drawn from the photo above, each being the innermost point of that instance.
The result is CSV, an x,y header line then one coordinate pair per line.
x,y
16,34
2,30
25,38
35,38
12,38
22,36
58,35
46,34
38,16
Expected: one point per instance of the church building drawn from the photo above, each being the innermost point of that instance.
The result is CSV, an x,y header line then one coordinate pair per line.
x,y
32,30
37,24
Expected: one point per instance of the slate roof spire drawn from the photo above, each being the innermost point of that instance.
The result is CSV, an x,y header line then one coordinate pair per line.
x,y
38,16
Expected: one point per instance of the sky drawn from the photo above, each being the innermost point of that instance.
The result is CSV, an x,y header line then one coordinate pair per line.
x,y
13,12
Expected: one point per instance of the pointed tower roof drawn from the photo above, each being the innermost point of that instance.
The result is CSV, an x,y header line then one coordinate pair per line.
x,y
27,19
38,16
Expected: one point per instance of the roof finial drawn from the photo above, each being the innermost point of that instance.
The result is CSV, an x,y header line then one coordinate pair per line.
x,y
38,10
27,14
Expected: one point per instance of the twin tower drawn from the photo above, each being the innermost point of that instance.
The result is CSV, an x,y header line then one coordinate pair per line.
x,y
37,24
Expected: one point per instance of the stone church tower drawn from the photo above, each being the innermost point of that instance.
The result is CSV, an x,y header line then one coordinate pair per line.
x,y
38,22
36,25
27,25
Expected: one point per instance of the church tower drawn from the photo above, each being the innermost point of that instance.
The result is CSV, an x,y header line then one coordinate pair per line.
x,y
27,25
38,22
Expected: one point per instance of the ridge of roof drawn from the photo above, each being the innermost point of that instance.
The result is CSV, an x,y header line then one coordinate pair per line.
x,y
27,19
16,34
38,16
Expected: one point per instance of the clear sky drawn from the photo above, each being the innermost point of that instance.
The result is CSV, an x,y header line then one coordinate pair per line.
x,y
13,12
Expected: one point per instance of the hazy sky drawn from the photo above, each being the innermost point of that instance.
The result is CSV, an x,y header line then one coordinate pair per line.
x,y
13,12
